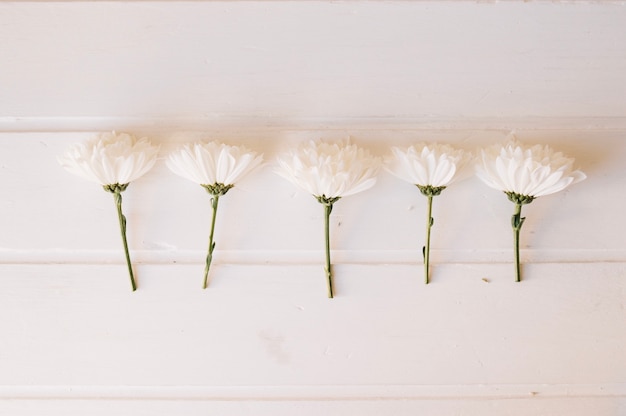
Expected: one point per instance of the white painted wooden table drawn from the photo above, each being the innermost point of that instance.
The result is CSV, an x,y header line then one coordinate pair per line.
x,y
263,338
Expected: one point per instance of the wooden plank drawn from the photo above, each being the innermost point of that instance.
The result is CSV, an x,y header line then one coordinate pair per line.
x,y
290,60
273,326
50,215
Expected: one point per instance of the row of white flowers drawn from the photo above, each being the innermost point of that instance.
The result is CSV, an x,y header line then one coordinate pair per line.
x,y
329,171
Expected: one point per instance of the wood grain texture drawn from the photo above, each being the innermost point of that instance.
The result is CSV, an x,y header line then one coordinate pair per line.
x,y
263,339
49,215
267,338
291,61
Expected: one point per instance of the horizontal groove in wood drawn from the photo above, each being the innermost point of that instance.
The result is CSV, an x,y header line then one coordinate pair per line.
x,y
251,123
321,393
290,257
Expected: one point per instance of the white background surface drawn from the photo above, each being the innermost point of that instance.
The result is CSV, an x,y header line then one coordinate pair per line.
x,y
263,338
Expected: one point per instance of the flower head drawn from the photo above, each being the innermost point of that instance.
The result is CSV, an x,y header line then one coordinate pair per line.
x,y
329,170
213,163
433,164
526,171
110,158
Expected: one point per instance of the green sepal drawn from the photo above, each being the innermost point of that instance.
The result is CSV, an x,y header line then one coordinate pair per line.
x,y
115,188
218,189
429,190
325,200
519,198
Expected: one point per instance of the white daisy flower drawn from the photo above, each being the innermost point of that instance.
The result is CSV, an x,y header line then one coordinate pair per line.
x,y
524,173
114,161
431,167
329,171
216,167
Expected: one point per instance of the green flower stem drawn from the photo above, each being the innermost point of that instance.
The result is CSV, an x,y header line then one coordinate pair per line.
x,y
215,190
426,251
516,222
214,201
328,207
117,194
429,191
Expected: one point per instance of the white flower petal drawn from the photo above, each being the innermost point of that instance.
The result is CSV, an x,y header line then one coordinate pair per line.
x,y
531,171
329,169
210,163
427,164
110,158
